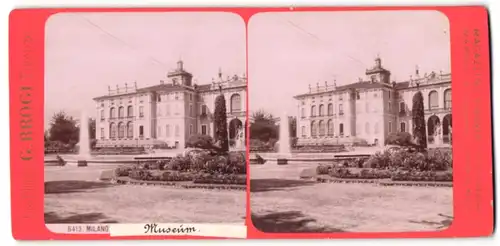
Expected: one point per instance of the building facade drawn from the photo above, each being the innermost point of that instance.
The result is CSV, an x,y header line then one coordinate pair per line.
x,y
168,113
374,107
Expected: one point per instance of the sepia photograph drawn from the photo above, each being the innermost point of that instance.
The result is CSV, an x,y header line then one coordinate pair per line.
x,y
350,121
145,118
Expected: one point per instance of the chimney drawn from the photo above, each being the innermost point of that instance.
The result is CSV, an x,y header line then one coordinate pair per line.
x,y
416,70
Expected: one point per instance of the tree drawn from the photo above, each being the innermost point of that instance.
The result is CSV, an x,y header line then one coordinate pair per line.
x,y
292,126
92,128
263,126
63,129
418,119
220,123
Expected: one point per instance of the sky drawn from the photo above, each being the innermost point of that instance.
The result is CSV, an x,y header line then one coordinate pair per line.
x,y
289,51
87,52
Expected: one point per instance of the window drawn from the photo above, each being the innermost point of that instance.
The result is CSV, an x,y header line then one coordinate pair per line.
x,y
130,130
235,103
389,107
177,133
121,130
321,108
433,100
330,127
313,129
390,127
403,127
112,130
341,129
341,109
373,78
130,111
447,99
302,112
176,109
303,131
167,131
141,111
168,109
330,109
112,113
190,129
389,94
321,128
159,131
367,128
190,97
158,110
203,109
102,133
204,129
102,115
121,112
341,97
141,131
402,107
191,110
313,111
357,95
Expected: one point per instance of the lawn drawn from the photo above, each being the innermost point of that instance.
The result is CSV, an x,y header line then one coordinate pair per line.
x,y
74,195
280,202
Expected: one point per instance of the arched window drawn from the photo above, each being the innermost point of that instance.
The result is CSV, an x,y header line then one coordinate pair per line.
x,y
341,129
402,127
141,131
112,113
321,110
121,112
130,111
330,127
121,130
433,100
313,129
130,130
322,128
235,103
367,128
330,109
447,99
303,113
313,111
112,130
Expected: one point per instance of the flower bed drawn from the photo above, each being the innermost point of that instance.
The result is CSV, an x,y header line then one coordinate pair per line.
x,y
422,176
239,179
363,174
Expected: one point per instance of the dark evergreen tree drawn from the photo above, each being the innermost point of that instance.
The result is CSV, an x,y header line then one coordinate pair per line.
x,y
220,123
419,131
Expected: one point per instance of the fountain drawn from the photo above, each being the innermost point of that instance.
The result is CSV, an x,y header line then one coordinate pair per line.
x,y
284,151
84,144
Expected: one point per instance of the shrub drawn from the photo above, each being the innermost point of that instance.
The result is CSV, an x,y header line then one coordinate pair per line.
x,y
123,171
400,138
238,163
439,160
379,160
323,169
200,141
179,163
140,174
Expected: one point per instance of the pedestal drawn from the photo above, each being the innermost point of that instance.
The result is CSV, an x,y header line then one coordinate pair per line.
x,y
282,161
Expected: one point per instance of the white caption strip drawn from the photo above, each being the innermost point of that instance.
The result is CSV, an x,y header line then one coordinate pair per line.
x,y
206,230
